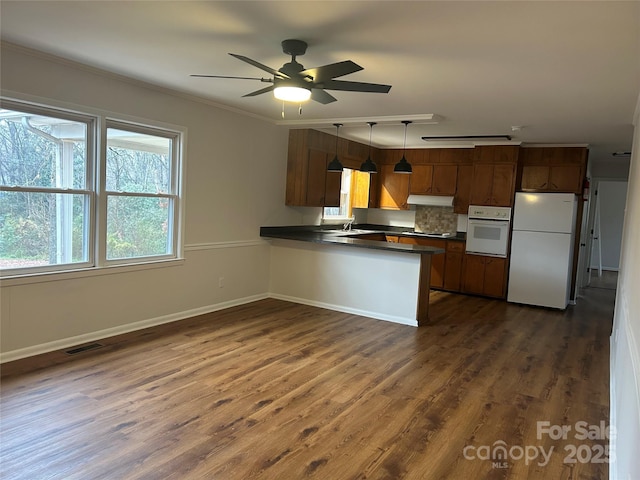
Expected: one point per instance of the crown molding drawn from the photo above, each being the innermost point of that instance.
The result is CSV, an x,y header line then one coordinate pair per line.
x,y
8,46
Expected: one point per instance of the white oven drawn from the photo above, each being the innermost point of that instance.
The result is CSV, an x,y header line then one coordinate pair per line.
x,y
488,230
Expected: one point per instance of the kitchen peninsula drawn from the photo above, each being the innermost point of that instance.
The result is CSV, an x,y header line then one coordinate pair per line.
x,y
355,271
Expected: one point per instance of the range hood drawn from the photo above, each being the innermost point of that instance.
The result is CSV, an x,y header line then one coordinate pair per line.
x,y
430,200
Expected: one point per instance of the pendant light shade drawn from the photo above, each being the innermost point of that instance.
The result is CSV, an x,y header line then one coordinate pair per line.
x,y
368,166
403,166
335,165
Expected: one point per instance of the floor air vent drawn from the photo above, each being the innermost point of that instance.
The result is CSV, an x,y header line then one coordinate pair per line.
x,y
83,348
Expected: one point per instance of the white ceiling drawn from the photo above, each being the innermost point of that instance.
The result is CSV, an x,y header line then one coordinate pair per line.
x,y
566,72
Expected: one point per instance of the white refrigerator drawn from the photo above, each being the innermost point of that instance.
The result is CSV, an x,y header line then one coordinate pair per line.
x,y
542,249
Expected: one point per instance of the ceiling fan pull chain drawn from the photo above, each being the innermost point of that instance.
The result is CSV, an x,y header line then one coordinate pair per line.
x,y
283,109
300,109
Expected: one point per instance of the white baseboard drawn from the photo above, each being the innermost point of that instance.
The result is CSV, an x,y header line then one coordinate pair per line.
x,y
341,308
130,327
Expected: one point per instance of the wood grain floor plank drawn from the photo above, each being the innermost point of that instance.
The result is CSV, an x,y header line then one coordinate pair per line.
x,y
273,390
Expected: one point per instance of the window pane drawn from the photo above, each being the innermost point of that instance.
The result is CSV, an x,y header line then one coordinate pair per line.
x,y
138,226
137,162
40,229
41,151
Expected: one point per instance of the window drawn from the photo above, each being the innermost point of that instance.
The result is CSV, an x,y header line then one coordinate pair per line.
x,y
54,212
342,212
354,193
141,193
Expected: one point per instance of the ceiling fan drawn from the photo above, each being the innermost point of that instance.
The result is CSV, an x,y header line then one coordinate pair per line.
x,y
292,82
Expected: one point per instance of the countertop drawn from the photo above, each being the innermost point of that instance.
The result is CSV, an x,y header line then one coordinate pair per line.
x,y
334,235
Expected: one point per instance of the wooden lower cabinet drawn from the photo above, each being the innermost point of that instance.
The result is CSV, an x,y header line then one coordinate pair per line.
x,y
483,275
379,237
446,270
454,257
437,261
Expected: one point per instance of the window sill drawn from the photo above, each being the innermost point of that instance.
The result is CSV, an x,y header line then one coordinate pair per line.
x,y
26,279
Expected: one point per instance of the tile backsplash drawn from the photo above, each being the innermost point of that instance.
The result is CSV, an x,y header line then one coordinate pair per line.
x,y
436,219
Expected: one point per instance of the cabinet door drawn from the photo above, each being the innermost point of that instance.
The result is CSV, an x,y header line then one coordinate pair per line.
x,y
360,188
437,261
444,179
565,178
453,271
494,277
481,184
502,185
317,179
394,189
535,177
332,189
421,180
463,190
473,274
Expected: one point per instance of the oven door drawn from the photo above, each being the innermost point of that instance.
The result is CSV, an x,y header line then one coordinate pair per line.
x,y
487,237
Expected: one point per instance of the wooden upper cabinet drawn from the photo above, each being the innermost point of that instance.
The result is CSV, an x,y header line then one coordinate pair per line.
x,y
433,179
482,185
494,172
421,180
445,179
323,188
393,188
566,178
463,189
553,169
535,177
316,178
502,190
308,182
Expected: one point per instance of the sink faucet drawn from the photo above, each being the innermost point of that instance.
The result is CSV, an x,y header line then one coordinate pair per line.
x,y
347,226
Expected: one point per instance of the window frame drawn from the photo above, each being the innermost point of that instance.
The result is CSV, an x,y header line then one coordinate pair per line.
x,y
95,221
173,195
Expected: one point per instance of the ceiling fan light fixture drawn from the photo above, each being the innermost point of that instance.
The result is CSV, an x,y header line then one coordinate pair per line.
x,y
403,166
292,93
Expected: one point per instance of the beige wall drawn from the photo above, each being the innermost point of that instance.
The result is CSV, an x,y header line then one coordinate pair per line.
x,y
235,178
625,338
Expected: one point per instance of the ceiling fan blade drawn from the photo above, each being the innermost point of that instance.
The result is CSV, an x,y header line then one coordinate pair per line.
x,y
355,86
272,71
321,96
266,80
260,92
333,70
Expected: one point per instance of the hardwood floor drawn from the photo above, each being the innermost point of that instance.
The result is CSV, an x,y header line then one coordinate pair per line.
x,y
609,279
273,390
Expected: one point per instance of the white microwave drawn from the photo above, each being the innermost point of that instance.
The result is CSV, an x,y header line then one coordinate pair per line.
x,y
488,230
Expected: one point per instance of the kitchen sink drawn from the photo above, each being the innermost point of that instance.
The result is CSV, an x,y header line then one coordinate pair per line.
x,y
340,231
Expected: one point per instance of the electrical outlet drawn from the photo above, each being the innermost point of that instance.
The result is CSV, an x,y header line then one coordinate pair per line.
x,y
221,282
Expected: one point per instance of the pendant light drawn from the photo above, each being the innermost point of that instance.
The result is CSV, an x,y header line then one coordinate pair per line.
x,y
335,165
368,166
403,166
